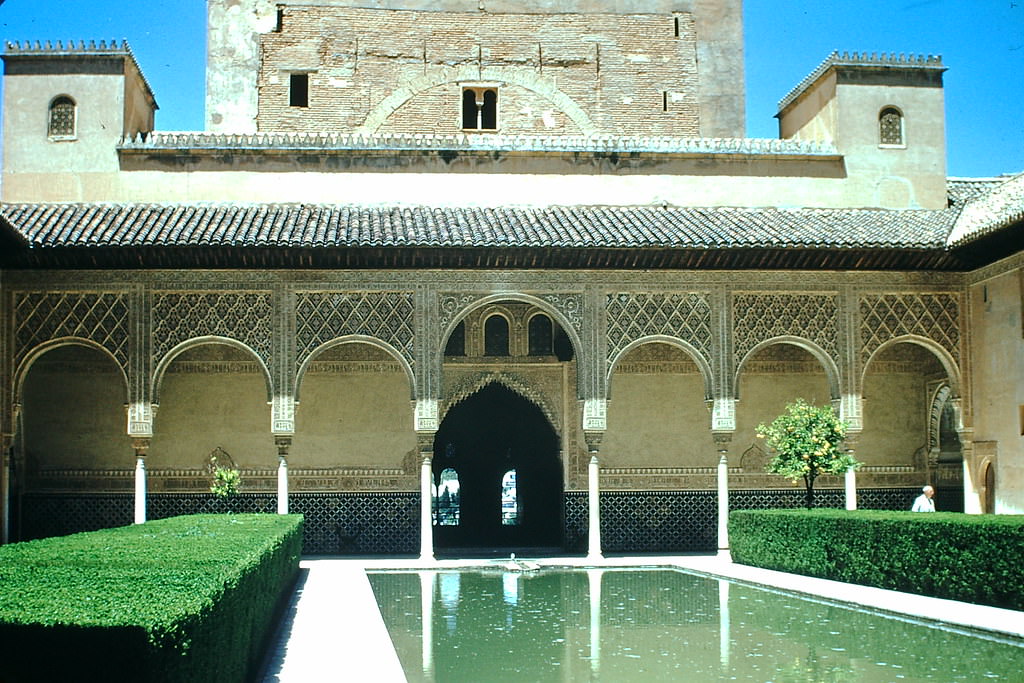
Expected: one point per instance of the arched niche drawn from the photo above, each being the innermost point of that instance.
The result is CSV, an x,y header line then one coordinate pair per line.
x,y
354,408
657,415
212,393
773,375
901,382
73,398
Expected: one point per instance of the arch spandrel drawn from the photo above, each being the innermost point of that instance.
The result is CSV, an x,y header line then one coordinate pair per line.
x,y
946,359
703,366
828,363
164,362
32,355
380,344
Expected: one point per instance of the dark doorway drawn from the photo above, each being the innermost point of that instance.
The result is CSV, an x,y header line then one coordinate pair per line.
x,y
484,438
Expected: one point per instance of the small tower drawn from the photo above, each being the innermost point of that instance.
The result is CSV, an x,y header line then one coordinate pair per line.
x,y
886,115
65,109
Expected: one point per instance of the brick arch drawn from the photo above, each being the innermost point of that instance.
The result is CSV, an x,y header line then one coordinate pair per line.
x,y
535,83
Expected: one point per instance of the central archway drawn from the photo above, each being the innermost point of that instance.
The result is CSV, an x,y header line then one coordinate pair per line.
x,y
491,433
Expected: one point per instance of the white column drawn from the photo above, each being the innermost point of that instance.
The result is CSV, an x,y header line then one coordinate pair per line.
x,y
427,623
594,583
594,509
140,488
724,636
851,489
282,485
723,503
426,510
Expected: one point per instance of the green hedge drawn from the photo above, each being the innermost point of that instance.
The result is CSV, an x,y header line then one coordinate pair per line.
x,y
973,558
184,599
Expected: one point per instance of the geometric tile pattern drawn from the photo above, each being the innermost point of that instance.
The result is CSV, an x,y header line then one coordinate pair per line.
x,y
885,316
242,316
762,316
575,520
359,523
323,316
632,315
47,514
101,317
659,521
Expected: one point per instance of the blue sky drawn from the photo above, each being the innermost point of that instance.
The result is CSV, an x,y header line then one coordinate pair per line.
x,y
981,42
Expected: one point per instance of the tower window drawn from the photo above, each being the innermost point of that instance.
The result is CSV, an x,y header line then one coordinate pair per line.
x,y
890,127
62,118
480,108
298,91
541,337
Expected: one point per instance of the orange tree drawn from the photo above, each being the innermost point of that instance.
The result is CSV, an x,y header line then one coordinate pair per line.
x,y
805,440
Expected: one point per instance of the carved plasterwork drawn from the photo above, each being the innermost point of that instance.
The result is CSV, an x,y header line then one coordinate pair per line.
x,y
323,316
758,317
245,316
101,317
543,388
635,315
887,316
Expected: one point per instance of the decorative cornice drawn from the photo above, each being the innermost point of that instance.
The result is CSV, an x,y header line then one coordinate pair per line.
x,y
855,59
199,142
82,49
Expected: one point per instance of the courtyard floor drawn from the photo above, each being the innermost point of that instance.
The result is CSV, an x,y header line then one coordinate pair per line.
x,y
333,625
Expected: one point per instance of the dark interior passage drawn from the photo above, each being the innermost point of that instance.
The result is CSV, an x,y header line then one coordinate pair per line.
x,y
493,431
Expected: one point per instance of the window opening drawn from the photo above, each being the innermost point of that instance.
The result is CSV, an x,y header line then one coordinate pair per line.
x,y
456,345
298,93
677,26
540,336
890,127
664,100
509,499
448,498
62,117
480,108
280,20
496,336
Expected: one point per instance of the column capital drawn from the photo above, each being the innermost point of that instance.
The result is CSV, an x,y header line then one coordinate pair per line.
x,y
425,443
283,442
593,439
140,444
722,441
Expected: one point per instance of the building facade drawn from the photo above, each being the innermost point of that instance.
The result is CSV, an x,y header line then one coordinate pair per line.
x,y
523,249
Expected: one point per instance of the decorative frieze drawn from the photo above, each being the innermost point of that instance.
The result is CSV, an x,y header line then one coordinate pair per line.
x,y
322,316
758,317
244,316
682,315
888,316
101,317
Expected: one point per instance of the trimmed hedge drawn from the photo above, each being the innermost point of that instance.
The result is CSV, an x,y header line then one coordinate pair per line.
x,y
188,598
972,558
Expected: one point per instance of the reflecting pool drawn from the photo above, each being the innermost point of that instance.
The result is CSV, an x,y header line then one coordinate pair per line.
x,y
660,624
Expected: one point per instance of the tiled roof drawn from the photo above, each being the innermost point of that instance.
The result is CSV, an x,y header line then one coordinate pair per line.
x,y
999,205
325,226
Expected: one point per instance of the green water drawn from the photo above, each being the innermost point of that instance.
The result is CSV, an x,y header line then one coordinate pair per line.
x,y
660,625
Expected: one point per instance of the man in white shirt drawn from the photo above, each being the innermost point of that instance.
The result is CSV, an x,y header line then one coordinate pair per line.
x,y
924,502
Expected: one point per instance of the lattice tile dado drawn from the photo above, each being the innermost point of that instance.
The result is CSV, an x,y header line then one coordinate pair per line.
x,y
323,316
101,317
886,316
633,315
243,316
758,317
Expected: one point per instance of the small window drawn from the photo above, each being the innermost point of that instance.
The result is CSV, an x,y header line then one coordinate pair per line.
x,y
509,499
298,92
890,127
480,108
62,117
496,336
456,345
541,337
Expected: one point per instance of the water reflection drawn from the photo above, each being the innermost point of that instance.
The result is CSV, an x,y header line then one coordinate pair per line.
x,y
620,625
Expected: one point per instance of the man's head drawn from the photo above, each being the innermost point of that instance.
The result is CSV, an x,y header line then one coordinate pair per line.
x,y
928,491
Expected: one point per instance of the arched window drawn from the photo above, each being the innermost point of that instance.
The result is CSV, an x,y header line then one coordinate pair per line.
x,y
480,108
62,118
456,345
890,127
540,335
509,499
448,498
496,336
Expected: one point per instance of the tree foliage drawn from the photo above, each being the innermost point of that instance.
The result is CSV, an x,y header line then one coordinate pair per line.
x,y
805,440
